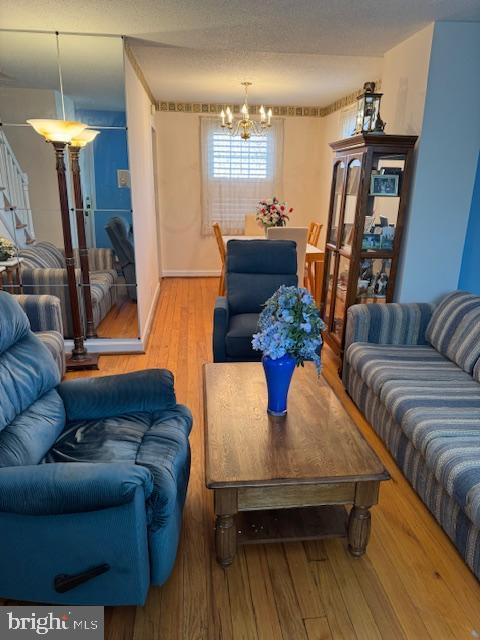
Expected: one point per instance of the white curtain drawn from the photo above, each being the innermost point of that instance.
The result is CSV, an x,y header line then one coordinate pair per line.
x,y
236,174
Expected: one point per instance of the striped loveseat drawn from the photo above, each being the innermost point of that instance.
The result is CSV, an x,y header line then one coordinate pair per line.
x,y
44,272
414,372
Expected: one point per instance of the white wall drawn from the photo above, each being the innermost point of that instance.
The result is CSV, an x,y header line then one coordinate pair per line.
x,y
184,250
404,83
332,130
139,122
446,164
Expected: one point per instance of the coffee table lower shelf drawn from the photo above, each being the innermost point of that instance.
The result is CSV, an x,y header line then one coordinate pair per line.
x,y
288,525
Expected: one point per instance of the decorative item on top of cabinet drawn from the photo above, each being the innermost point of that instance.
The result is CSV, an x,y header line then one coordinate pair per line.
x,y
365,225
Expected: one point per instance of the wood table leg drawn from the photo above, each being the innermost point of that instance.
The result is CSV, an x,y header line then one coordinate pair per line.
x,y
226,505
10,280
359,524
225,539
359,521
19,279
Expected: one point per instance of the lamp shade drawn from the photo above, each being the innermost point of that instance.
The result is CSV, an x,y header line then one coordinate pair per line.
x,y
57,130
84,137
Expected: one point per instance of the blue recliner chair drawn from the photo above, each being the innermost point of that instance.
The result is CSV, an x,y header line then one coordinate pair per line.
x,y
125,252
93,476
255,269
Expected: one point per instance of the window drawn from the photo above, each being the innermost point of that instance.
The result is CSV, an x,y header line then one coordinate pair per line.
x,y
348,118
233,158
237,174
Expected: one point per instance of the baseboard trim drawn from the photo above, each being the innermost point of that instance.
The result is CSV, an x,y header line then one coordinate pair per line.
x,y
215,273
151,314
110,345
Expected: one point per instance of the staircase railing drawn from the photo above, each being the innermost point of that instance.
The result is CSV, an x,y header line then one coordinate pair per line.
x,y
15,210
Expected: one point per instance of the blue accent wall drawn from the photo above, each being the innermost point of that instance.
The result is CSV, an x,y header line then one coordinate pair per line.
x,y
441,195
470,271
110,154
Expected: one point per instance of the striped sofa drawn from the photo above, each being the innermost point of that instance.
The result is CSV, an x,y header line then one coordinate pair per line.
x,y
45,316
414,372
43,272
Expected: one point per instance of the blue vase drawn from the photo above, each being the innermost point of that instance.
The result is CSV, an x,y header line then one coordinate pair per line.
x,y
278,374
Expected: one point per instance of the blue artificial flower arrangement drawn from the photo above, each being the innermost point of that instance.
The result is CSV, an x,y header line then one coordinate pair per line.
x,y
290,324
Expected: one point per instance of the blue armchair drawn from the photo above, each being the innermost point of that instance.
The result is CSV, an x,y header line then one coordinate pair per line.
x,y
255,269
93,476
125,252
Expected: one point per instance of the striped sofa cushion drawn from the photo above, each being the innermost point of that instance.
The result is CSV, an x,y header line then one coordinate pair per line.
x,y
402,396
377,364
454,329
454,519
441,418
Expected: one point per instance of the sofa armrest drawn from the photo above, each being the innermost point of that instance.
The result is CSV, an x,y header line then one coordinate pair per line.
x,y
95,398
220,328
391,323
70,487
43,311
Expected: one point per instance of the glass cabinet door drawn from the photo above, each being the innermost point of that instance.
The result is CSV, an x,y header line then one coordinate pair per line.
x,y
330,271
373,279
380,221
339,174
353,184
340,293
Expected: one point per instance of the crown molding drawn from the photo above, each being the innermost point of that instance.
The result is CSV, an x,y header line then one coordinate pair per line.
x,y
214,108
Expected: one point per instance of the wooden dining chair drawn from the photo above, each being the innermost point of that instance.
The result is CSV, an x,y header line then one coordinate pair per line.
x,y
314,230
221,249
252,228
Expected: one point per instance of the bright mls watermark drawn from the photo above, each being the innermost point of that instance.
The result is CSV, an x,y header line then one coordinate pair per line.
x,y
52,622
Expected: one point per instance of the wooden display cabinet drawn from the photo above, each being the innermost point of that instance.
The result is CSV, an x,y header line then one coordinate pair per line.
x,y
369,194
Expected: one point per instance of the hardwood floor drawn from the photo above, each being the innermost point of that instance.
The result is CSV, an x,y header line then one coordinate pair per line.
x,y
121,321
410,584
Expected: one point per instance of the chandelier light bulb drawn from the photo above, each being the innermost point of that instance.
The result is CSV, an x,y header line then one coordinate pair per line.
x,y
245,127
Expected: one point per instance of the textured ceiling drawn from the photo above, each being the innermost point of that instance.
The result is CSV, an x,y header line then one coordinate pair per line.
x,y
295,51
187,75
342,27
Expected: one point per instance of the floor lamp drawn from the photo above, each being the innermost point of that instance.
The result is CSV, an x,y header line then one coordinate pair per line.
x,y
60,134
78,142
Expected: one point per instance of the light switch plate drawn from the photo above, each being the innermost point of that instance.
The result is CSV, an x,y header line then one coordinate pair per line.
x,y
123,178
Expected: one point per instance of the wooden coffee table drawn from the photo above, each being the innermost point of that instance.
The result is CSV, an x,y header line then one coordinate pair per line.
x,y
281,479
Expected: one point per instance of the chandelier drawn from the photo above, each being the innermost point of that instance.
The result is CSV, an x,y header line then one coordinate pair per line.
x,y
244,126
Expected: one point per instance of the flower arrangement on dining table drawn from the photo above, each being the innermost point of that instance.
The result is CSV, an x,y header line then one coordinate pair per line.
x,y
289,333
273,213
7,249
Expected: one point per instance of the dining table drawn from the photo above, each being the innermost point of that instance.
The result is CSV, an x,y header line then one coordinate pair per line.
x,y
314,260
